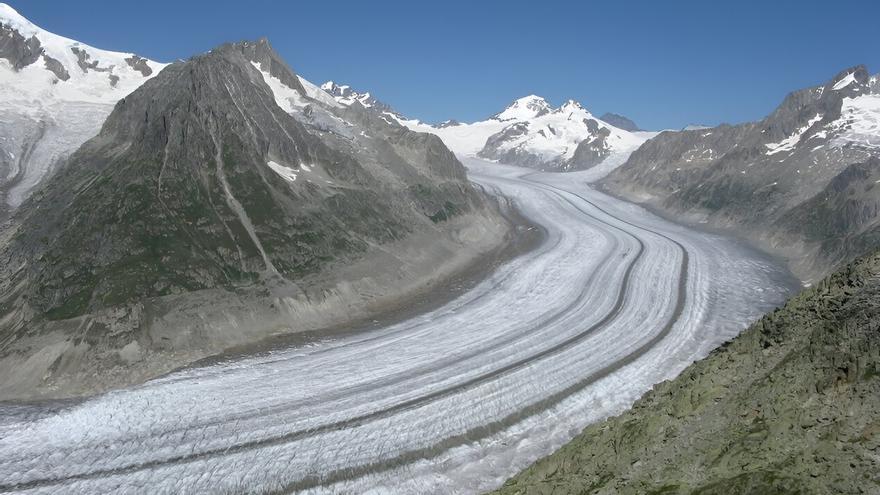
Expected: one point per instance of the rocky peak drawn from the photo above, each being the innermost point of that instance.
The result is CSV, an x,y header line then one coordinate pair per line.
x,y
810,109
851,79
262,53
619,121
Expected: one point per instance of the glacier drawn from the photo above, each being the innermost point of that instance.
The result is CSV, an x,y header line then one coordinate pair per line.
x,y
455,400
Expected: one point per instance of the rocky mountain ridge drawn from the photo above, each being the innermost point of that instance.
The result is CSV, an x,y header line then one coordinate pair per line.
x,y
801,183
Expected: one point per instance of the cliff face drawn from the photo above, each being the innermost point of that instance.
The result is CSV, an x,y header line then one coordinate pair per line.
x,y
224,175
792,405
761,179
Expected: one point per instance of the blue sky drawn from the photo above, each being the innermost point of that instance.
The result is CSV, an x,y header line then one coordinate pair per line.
x,y
664,64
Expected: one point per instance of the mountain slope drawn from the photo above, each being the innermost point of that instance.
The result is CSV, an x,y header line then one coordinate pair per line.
x,y
792,405
764,179
221,202
54,95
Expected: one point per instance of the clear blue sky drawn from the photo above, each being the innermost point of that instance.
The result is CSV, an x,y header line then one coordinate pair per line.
x,y
664,64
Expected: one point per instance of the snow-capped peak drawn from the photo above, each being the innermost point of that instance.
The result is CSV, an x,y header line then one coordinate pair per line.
x,y
527,107
43,65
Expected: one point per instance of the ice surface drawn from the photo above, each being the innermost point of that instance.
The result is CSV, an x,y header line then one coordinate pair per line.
x,y
859,121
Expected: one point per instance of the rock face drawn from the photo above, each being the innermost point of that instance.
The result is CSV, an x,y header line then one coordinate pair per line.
x,y
620,122
801,182
222,201
54,95
791,406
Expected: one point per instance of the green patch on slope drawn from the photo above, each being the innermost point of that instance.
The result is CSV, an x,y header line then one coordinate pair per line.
x,y
791,406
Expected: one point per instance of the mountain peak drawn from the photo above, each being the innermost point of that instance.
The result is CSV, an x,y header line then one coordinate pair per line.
x,y
527,107
261,52
858,74
619,121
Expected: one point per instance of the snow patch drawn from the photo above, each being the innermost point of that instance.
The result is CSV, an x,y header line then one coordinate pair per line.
x,y
316,93
289,99
790,142
844,82
286,173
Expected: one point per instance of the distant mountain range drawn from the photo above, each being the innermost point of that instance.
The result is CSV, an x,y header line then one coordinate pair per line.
x,y
529,132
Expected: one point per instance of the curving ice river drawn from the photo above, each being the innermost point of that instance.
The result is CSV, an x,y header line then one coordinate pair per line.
x,y
452,401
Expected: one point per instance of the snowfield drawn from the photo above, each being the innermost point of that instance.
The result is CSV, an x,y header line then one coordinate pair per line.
x,y
452,401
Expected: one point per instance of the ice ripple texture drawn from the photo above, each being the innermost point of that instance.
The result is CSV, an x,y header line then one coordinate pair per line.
x,y
452,401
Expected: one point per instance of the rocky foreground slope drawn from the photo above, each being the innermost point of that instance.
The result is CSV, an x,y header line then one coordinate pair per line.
x,y
225,200
804,182
791,406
